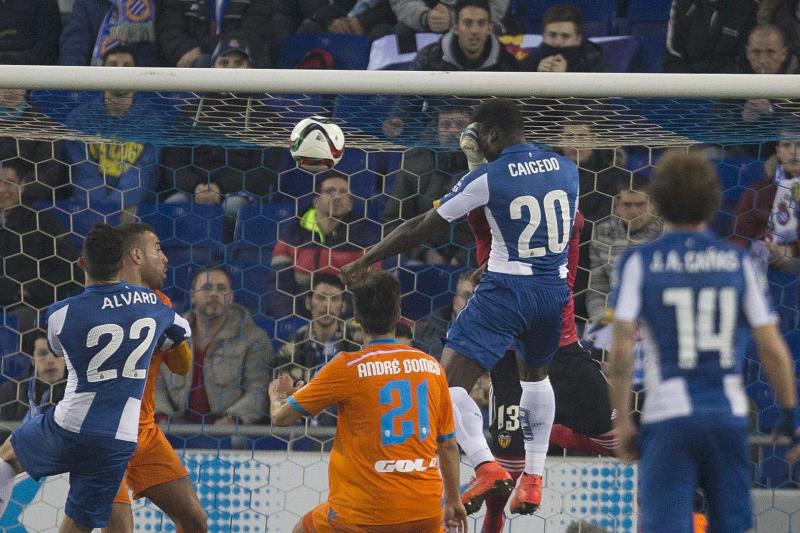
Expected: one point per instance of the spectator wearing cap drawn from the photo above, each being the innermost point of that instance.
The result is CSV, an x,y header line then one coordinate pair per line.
x,y
232,53
214,174
563,47
96,26
188,32
323,239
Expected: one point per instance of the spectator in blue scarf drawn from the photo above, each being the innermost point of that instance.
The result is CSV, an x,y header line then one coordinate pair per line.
x,y
97,26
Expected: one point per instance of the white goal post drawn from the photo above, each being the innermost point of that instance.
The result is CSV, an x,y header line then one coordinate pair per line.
x,y
512,84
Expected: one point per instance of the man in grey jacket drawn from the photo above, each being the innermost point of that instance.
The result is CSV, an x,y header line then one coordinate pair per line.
x,y
632,222
228,380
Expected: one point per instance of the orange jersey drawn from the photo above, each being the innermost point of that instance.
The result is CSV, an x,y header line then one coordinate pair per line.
x,y
394,408
147,415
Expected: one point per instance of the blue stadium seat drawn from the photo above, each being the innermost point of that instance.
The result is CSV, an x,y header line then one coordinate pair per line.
x,y
258,225
647,21
77,218
350,52
736,174
367,111
598,15
184,223
426,288
649,10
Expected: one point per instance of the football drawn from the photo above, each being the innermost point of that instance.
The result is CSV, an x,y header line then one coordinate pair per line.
x,y
316,144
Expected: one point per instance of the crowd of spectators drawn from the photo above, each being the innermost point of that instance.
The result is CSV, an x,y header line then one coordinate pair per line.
x,y
240,346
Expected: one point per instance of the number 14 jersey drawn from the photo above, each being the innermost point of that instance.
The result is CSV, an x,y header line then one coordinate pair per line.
x,y
695,300
107,336
393,408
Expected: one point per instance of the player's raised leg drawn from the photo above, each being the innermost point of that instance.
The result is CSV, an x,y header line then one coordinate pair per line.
x,y
462,374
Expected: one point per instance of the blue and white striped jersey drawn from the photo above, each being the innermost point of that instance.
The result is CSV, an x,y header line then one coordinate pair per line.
x,y
696,300
529,197
107,336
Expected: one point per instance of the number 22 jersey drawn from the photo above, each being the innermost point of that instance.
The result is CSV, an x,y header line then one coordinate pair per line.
x,y
393,408
107,336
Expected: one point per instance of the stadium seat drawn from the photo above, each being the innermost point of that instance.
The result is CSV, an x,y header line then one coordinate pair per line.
x,y
258,225
350,52
426,288
647,21
598,15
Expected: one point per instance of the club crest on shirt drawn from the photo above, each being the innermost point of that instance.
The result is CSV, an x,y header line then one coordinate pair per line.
x,y
504,439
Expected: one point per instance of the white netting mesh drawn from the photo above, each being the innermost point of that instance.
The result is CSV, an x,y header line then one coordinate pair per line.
x,y
155,163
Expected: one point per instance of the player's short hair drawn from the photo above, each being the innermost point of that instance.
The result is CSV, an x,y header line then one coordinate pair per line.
x,y
631,181
208,269
685,188
119,49
563,13
482,4
132,234
24,169
325,176
376,301
102,252
328,279
501,114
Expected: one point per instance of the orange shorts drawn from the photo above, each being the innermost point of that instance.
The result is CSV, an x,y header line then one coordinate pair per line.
x,y
323,519
154,462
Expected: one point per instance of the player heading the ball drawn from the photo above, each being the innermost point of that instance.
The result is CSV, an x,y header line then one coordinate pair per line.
x,y
693,299
107,336
529,196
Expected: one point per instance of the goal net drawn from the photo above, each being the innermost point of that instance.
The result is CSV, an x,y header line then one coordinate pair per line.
x,y
204,159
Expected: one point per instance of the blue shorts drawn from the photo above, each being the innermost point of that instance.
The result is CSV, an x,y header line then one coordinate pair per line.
x,y
96,466
679,455
523,312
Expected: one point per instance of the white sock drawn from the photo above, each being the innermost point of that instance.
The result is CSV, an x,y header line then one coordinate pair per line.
x,y
7,475
469,427
537,408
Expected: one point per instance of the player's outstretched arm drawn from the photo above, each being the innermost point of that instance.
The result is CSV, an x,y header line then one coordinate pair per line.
x,y
281,411
455,516
619,382
406,236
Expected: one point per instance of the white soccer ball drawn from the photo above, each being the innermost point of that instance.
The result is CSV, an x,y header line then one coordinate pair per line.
x,y
316,144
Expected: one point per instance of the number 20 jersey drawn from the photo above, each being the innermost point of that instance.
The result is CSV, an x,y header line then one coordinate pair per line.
x,y
695,299
107,336
529,197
